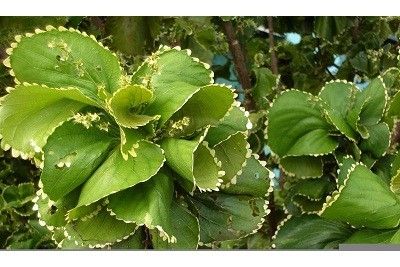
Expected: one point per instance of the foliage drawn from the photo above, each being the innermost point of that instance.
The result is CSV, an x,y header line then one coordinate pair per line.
x,y
157,147
118,152
339,160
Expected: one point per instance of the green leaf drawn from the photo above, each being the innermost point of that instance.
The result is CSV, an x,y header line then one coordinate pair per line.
x,y
338,98
98,231
206,107
135,241
330,28
18,195
373,100
311,232
232,153
393,110
371,236
206,169
66,59
390,79
30,113
364,200
303,166
379,140
117,174
178,78
395,174
266,82
253,181
127,103
345,166
193,161
84,212
308,205
148,203
72,154
233,122
130,139
383,167
227,217
52,213
297,115
184,226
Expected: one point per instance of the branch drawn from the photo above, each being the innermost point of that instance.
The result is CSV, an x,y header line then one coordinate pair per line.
x,y
271,217
240,64
395,137
274,59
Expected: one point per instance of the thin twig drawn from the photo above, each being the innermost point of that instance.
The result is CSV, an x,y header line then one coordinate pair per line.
x,y
240,63
271,217
330,73
274,59
147,241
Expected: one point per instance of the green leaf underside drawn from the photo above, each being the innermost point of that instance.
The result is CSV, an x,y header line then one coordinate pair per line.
x,y
116,174
365,200
29,114
101,229
254,180
232,153
126,105
378,141
227,217
311,232
178,78
147,203
84,149
297,115
64,59
303,166
206,107
184,226
338,97
313,188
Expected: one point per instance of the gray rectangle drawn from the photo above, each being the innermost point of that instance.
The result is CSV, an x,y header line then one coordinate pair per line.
x,y
369,247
